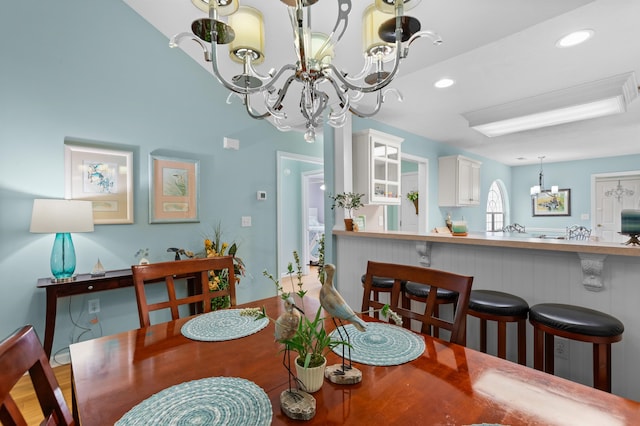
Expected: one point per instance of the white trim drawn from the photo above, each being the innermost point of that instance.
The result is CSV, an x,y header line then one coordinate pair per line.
x,y
423,185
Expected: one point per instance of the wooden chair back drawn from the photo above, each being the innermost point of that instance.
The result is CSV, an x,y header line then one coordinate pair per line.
x,y
433,278
198,270
20,353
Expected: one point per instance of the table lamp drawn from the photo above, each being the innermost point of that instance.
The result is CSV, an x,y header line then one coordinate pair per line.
x,y
62,217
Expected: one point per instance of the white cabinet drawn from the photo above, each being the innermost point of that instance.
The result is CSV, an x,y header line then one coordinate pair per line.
x,y
458,181
376,167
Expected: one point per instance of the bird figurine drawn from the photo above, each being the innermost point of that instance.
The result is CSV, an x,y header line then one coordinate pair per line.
x,y
334,304
287,323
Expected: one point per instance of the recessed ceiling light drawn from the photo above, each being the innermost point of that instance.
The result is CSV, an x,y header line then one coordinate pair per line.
x,y
443,83
575,38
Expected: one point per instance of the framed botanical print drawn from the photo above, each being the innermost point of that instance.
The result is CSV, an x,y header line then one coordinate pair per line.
x,y
173,190
102,176
552,204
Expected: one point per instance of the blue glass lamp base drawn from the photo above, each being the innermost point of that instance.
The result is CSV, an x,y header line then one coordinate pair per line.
x,y
63,258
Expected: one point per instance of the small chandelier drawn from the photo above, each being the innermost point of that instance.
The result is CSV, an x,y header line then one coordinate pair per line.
x,y
537,189
619,192
387,34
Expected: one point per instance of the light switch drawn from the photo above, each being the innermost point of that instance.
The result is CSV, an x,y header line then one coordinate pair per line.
x,y
262,195
229,143
246,221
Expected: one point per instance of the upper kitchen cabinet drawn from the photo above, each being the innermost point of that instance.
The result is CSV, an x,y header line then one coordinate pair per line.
x,y
376,167
458,181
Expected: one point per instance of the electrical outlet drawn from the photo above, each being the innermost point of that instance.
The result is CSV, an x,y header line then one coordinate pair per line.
x,y
93,306
561,348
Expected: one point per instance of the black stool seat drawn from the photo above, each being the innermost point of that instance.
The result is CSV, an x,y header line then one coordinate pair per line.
x,y
497,303
576,323
381,282
503,308
576,319
422,290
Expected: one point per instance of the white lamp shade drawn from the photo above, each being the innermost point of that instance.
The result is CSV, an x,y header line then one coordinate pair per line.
x,y
371,41
61,216
248,25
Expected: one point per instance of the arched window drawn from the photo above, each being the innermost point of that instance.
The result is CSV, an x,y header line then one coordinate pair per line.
x,y
495,208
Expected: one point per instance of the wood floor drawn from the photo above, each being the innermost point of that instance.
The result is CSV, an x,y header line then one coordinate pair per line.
x,y
25,397
24,394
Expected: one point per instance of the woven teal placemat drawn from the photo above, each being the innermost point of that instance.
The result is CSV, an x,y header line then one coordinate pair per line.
x,y
213,401
381,344
225,324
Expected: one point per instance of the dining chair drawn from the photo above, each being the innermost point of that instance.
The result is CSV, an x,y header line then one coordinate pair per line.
x,y
577,232
514,227
22,353
198,270
435,279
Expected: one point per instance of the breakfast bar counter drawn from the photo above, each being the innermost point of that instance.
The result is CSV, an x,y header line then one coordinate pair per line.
x,y
598,275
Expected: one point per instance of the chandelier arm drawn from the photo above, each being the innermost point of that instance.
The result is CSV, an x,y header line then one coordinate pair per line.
x,y
277,104
176,39
253,113
368,114
435,38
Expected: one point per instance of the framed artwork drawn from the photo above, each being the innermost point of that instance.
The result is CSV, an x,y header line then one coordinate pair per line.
x,y
173,190
548,204
102,176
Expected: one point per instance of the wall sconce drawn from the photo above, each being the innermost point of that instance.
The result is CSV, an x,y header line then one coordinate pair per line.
x,y
62,217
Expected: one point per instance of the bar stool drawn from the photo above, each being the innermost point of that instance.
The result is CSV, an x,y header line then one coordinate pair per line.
x,y
576,323
419,293
379,285
489,305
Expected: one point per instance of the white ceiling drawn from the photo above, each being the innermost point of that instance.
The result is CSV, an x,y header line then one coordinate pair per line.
x,y
497,51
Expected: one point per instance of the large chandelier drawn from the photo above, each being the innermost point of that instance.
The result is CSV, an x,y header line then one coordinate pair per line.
x,y
387,35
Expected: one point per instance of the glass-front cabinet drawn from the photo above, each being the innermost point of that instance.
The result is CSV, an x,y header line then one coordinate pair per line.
x,y
376,166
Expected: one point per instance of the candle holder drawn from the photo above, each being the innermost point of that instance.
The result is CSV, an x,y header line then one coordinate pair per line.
x,y
633,240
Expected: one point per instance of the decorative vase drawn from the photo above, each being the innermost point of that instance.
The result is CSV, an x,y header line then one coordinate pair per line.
x,y
415,204
348,224
311,378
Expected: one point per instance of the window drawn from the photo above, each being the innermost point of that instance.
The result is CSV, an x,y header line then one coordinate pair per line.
x,y
495,208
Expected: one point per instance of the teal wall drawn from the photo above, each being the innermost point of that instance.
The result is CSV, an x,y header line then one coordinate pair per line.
x,y
97,72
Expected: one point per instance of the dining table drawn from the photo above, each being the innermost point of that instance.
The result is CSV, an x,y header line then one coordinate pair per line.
x,y
443,384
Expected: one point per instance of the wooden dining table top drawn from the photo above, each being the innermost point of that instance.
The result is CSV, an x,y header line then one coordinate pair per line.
x,y
447,385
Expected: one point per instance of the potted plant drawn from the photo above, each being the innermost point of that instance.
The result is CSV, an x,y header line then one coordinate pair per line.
x,y
351,202
309,340
413,197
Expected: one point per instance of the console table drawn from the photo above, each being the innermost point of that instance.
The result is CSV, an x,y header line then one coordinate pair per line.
x,y
83,284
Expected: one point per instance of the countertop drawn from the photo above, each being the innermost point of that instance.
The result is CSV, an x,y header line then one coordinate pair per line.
x,y
507,240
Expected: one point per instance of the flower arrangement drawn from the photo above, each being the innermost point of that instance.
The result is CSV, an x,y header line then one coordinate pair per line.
x,y
412,196
219,280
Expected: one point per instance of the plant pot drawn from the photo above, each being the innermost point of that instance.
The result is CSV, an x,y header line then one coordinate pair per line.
x,y
348,224
311,378
415,204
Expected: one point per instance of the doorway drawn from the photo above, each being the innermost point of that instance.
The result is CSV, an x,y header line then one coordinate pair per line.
x,y
298,182
610,194
414,175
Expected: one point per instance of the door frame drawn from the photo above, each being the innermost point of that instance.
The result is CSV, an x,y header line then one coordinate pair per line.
x,y
423,187
595,178
280,157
